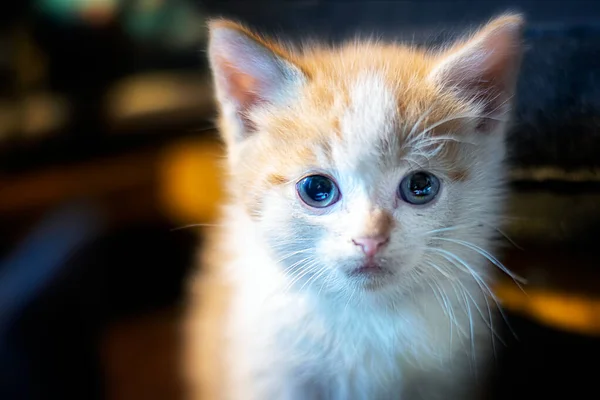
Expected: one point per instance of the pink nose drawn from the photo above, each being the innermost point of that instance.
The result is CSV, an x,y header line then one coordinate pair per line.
x,y
371,245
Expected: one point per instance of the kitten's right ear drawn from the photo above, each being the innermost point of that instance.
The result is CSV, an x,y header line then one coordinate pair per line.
x,y
484,68
248,72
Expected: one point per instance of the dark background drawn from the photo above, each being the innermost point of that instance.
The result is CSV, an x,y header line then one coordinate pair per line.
x,y
91,270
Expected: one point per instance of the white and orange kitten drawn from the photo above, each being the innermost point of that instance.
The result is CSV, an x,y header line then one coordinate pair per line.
x,y
366,181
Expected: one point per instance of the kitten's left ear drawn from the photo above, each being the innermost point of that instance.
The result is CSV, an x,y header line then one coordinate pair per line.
x,y
484,69
248,72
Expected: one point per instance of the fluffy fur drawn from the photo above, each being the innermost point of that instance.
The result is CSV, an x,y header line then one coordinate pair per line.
x,y
276,312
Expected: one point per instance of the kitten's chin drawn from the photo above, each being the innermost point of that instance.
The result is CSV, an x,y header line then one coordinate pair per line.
x,y
370,275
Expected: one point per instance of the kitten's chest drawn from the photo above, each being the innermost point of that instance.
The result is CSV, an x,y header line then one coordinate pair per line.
x,y
348,356
343,354
349,343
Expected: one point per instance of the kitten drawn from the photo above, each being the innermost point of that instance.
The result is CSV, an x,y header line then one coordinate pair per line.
x,y
366,182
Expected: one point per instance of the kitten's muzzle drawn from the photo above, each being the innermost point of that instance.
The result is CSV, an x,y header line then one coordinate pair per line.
x,y
370,246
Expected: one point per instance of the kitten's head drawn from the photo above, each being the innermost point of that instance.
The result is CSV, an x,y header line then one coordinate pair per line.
x,y
363,165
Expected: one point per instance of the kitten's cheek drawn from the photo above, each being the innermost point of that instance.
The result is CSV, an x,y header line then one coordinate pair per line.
x,y
411,257
332,250
341,246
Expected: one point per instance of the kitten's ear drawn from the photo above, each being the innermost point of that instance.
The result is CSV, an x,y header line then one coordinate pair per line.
x,y
484,68
247,72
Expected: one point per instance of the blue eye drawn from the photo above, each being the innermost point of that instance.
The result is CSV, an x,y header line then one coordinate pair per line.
x,y
419,188
318,191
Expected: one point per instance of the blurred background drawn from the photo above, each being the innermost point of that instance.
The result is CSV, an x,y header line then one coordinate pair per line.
x,y
108,153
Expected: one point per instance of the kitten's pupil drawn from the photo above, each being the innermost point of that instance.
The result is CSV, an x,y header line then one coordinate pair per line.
x,y
419,187
420,184
318,188
317,191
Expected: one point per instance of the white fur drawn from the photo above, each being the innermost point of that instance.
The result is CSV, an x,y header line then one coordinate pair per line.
x,y
325,337
301,328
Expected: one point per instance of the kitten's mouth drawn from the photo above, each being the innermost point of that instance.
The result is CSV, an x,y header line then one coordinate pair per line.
x,y
369,269
370,275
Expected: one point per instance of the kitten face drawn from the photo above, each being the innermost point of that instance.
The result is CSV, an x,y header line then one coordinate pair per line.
x,y
353,162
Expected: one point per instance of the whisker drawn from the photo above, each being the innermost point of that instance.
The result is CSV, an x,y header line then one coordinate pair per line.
x,y
420,120
291,254
453,258
308,268
471,327
445,139
489,256
326,283
314,278
480,223
350,297
450,228
501,232
488,322
445,304
440,270
197,226
452,118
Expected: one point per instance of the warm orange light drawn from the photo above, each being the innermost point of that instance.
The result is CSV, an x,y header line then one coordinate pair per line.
x,y
190,181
